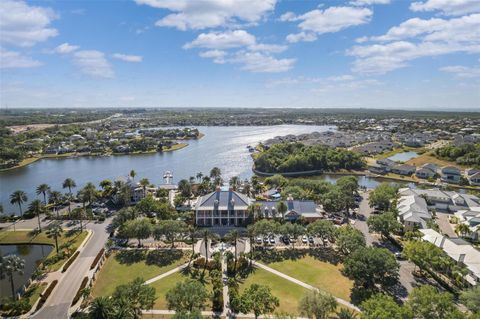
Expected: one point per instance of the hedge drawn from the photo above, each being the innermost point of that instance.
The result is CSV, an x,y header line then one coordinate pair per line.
x,y
46,294
95,261
70,261
79,292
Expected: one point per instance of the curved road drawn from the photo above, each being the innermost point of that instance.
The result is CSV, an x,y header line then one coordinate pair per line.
x,y
59,301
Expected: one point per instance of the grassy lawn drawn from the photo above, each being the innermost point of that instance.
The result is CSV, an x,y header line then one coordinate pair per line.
x,y
25,237
119,269
175,147
163,285
34,293
286,291
427,158
323,275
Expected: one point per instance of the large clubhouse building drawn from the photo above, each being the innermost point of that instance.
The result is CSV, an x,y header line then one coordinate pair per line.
x,y
230,208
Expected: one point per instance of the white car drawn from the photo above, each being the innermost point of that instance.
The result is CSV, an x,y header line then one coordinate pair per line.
x,y
304,239
259,240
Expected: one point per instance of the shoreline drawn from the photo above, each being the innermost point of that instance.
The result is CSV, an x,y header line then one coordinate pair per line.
x,y
33,159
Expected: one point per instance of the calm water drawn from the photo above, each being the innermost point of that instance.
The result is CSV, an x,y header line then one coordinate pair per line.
x,y
32,254
403,157
225,147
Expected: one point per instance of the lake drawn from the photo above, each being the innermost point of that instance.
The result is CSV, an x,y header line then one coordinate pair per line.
x,y
32,254
403,157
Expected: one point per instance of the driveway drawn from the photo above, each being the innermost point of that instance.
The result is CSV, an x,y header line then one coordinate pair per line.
x,y
445,227
58,303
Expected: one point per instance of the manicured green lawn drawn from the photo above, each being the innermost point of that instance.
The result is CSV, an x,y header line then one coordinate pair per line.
x,y
24,237
323,275
117,271
34,293
286,291
163,285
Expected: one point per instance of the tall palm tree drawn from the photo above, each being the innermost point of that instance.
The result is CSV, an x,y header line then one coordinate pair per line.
x,y
233,236
462,230
192,232
101,308
234,182
106,186
55,197
43,189
54,231
87,195
133,174
282,209
346,314
18,197
215,173
13,264
144,182
69,183
199,176
37,207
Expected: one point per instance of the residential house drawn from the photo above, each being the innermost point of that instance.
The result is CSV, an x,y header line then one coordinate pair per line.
x,y
459,250
426,171
222,208
443,200
470,217
473,176
403,169
450,174
413,212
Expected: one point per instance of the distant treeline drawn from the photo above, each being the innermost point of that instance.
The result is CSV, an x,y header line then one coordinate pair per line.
x,y
10,117
294,157
466,154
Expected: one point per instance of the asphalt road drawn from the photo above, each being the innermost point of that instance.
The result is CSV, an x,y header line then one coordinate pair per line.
x,y
58,303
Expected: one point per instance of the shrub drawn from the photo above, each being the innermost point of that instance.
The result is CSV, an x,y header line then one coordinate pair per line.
x,y
70,261
79,291
96,260
44,296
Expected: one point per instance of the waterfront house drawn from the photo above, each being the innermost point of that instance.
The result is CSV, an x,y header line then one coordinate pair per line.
x,y
460,251
403,169
473,176
450,174
296,209
222,208
377,169
426,171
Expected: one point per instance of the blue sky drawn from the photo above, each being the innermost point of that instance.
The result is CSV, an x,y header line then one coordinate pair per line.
x,y
390,54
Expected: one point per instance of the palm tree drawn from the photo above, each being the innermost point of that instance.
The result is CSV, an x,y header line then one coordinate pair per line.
x,y
462,230
37,207
199,176
192,232
215,173
69,183
55,197
101,308
144,182
234,182
232,236
54,231
1,209
87,195
13,264
43,189
106,186
18,197
346,314
133,174
282,209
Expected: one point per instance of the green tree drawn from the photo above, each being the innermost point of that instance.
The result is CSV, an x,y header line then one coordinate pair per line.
x,y
276,180
318,305
382,196
259,300
185,188
134,297
37,208
215,173
325,229
69,183
385,224
425,302
232,237
471,298
293,230
12,264
170,230
349,239
18,197
462,230
43,189
187,296
144,182
132,174
370,267
55,197
426,255
333,201
54,231
102,308
381,306
346,314
137,228
282,209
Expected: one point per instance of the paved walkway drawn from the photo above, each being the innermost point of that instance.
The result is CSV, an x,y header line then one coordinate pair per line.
x,y
206,313
301,283
168,273
226,296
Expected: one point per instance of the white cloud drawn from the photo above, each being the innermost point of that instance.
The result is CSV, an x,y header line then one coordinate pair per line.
x,y
93,63
23,25
12,59
368,2
218,56
462,71
333,19
272,48
416,38
288,16
341,78
258,62
222,40
66,48
127,58
447,7
209,13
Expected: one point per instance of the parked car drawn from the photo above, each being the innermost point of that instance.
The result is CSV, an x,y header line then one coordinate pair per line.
x,y
311,240
399,255
266,240
258,240
304,239
272,240
286,240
